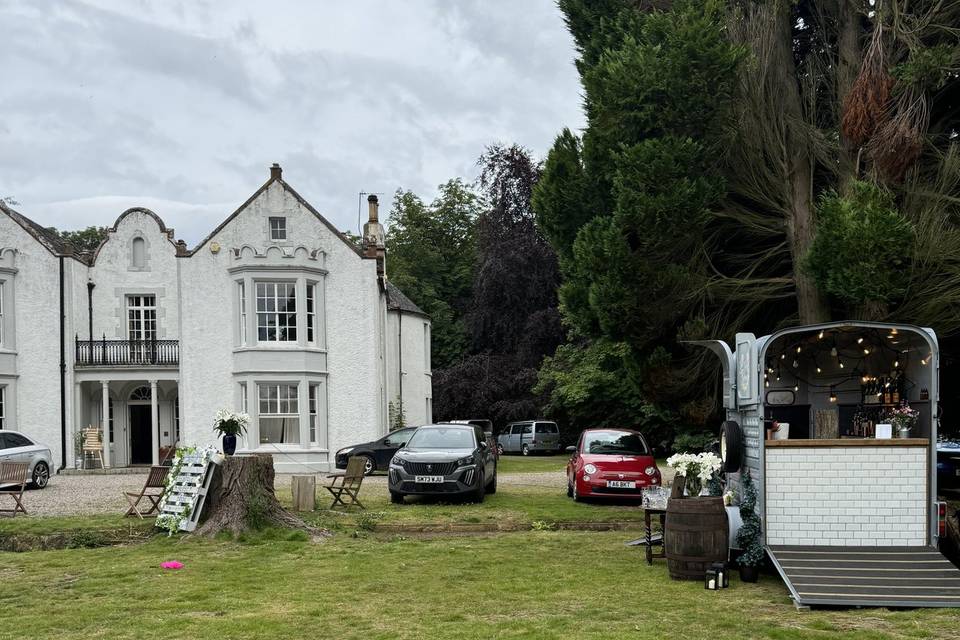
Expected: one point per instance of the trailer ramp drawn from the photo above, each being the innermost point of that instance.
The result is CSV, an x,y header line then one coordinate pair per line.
x,y
867,576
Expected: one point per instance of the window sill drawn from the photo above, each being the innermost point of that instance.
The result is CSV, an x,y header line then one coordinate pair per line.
x,y
283,448
280,346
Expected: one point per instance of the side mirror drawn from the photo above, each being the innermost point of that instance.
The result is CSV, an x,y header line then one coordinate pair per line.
x,y
571,449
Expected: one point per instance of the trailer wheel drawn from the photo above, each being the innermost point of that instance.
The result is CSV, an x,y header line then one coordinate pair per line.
x,y
731,446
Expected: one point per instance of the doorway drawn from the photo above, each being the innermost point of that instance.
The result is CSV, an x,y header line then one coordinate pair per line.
x,y
140,441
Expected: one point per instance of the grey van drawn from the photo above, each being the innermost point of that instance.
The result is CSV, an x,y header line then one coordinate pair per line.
x,y
530,436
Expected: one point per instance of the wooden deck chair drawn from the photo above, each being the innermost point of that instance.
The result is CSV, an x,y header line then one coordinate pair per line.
x,y
13,480
348,484
152,491
93,444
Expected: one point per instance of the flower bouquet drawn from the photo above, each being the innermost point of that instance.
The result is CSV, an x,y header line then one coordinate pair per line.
x,y
903,419
696,468
230,425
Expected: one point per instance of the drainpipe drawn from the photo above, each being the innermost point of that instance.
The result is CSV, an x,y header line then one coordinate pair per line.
x,y
90,286
400,355
63,373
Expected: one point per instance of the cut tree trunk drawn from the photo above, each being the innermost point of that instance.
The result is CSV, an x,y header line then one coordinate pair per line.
x,y
304,489
241,498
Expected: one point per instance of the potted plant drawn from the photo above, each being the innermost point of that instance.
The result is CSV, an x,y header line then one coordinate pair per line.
x,y
229,425
748,538
696,468
903,419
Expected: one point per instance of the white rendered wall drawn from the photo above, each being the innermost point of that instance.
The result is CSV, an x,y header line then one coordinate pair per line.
x,y
408,360
208,341
30,356
836,496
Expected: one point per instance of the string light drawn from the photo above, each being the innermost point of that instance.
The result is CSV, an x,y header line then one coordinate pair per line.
x,y
833,395
796,387
859,340
798,348
796,363
896,364
820,337
833,352
866,352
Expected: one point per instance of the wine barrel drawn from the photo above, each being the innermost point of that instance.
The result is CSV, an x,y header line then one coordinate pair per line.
x,y
694,536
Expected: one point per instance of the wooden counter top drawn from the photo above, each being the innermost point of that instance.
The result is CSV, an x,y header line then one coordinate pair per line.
x,y
850,442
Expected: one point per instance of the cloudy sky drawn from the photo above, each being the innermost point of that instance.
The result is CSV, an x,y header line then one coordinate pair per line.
x,y
181,106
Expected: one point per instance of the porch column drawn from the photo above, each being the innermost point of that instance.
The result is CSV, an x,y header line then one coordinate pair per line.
x,y
105,421
76,423
154,425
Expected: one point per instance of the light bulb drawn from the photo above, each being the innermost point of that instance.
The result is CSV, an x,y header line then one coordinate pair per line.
x,y
833,351
866,352
819,370
821,335
859,340
923,361
896,364
795,363
796,387
798,349
841,364
783,356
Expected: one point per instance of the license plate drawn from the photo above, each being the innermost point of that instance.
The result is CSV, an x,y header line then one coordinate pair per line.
x,y
429,479
621,484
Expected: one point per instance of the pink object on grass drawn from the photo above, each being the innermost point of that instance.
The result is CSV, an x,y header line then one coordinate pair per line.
x,y
173,564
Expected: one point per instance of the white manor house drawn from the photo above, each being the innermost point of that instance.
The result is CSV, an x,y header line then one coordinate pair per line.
x,y
275,313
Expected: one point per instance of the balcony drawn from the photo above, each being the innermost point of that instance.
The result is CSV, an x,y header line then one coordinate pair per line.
x,y
129,353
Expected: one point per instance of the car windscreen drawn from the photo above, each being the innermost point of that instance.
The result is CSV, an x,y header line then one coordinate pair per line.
x,y
547,427
614,443
443,438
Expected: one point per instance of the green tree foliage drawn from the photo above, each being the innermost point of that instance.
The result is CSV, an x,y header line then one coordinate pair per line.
x,y
431,251
862,246
84,240
749,537
513,321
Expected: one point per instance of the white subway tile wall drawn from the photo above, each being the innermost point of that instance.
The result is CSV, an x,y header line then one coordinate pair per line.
x,y
858,496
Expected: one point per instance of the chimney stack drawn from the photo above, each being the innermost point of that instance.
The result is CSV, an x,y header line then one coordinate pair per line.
x,y
275,171
374,237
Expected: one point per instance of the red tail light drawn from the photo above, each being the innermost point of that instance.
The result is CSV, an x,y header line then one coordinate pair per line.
x,y
941,519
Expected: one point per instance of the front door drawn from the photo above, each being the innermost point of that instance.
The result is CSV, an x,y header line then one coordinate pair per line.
x,y
140,441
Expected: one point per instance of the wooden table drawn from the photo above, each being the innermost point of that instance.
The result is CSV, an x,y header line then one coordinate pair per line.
x,y
649,539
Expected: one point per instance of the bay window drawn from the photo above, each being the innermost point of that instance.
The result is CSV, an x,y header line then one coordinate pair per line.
x,y
314,401
276,311
242,306
279,407
311,312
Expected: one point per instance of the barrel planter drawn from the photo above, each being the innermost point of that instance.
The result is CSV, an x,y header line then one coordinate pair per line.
x,y
695,535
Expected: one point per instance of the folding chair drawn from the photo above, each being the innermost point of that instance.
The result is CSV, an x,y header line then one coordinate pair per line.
x,y
13,480
348,485
156,480
93,444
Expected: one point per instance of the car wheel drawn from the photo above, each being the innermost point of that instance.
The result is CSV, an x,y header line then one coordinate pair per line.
x,y
41,475
569,490
492,487
369,465
525,450
731,446
396,497
499,449
576,494
480,491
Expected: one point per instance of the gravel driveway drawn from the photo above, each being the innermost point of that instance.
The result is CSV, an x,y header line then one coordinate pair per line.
x,y
93,494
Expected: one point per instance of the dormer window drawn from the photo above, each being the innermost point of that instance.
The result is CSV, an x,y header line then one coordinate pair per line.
x,y
278,228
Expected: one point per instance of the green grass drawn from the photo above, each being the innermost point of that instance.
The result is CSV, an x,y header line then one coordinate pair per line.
x,y
511,507
520,585
532,464
53,525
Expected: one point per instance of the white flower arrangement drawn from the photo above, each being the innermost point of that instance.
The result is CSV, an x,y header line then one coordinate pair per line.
x,y
228,422
168,521
697,468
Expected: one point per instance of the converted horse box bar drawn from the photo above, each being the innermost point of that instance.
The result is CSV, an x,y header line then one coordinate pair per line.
x,y
841,507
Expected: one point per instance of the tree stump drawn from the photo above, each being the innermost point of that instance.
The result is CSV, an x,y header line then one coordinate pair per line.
x,y
304,493
242,498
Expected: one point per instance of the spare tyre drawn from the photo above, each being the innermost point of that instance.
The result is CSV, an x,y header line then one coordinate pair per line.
x,y
731,446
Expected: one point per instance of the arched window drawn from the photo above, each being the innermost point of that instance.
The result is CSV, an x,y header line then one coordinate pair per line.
x,y
140,393
139,253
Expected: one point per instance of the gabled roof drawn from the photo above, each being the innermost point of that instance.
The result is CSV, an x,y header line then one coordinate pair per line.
x,y
275,177
54,244
397,301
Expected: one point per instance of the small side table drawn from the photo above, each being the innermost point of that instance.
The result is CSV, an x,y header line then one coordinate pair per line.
x,y
650,539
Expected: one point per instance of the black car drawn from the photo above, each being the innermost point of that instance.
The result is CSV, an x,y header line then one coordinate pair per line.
x,y
378,453
444,459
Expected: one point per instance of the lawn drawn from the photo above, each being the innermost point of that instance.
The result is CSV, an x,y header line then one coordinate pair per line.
x,y
542,584
532,464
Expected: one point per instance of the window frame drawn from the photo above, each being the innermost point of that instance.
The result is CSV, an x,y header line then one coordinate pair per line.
x,y
2,334
276,313
278,232
293,411
3,406
242,309
310,309
313,412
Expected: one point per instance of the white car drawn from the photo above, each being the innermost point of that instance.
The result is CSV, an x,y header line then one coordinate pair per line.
x,y
16,447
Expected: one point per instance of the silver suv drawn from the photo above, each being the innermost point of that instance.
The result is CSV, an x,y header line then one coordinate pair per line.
x,y
532,436
444,459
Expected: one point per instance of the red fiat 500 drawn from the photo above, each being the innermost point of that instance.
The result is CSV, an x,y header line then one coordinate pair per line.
x,y
611,463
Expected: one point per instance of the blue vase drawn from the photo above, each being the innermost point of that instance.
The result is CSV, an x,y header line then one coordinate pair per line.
x,y
229,444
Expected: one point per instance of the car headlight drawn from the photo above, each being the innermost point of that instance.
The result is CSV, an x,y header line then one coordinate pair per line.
x,y
397,461
463,462
650,471
589,468
343,452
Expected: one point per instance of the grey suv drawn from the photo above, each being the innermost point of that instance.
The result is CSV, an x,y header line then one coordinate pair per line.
x,y
444,459
531,436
